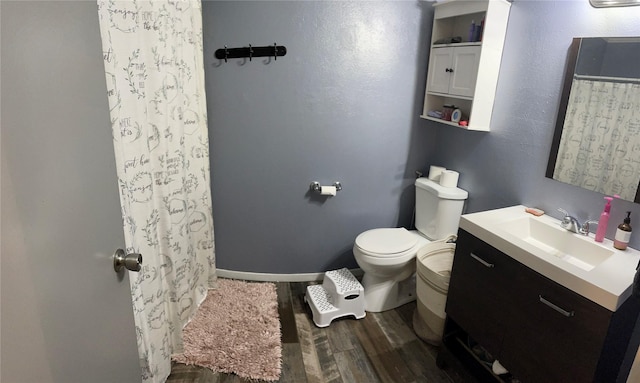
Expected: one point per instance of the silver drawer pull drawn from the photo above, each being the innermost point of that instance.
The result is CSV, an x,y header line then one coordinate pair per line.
x,y
558,309
484,263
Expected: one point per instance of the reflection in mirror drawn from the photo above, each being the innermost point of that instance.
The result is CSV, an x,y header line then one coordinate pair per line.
x,y
596,144
613,3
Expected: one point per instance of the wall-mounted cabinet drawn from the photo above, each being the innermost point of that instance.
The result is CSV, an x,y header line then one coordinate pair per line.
x,y
465,73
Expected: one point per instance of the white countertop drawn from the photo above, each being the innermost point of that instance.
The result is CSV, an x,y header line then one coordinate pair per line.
x,y
608,284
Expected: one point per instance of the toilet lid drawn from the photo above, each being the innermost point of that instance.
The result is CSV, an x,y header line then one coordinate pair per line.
x,y
386,241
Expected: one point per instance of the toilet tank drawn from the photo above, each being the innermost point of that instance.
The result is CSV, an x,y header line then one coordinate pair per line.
x,y
438,208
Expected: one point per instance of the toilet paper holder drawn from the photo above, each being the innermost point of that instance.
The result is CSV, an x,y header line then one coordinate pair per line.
x,y
316,187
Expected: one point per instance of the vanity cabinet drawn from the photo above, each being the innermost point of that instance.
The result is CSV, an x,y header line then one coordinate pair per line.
x,y
539,330
465,74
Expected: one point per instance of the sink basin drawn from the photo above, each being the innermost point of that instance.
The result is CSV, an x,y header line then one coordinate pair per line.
x,y
552,239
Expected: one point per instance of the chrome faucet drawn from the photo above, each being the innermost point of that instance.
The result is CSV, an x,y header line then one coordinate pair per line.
x,y
572,224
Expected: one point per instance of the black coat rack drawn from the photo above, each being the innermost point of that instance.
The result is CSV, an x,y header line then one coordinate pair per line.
x,y
251,52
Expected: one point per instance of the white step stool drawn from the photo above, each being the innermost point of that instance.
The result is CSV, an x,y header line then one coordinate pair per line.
x,y
340,294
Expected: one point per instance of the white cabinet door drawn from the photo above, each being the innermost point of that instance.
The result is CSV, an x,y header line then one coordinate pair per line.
x,y
465,70
453,70
439,70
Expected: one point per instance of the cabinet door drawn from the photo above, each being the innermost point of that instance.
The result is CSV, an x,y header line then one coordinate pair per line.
x,y
439,70
478,290
465,70
555,335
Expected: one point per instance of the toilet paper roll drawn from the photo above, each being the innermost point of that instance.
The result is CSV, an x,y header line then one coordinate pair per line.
x,y
435,172
449,178
328,190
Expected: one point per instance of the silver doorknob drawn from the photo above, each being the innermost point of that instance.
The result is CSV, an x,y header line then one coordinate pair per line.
x,y
132,261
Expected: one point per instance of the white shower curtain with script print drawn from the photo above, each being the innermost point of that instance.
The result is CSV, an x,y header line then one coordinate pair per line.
x,y
155,81
601,137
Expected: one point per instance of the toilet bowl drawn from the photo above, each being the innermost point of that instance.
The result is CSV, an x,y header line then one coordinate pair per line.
x,y
387,257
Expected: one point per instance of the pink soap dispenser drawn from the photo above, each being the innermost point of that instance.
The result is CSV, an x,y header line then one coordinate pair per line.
x,y
604,220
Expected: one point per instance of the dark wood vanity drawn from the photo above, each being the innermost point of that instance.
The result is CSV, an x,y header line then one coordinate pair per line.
x,y
539,330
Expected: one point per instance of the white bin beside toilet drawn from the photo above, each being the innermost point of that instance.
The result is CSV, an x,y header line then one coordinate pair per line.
x,y
433,268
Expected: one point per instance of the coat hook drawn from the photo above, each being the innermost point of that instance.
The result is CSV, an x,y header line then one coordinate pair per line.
x,y
226,53
275,52
250,52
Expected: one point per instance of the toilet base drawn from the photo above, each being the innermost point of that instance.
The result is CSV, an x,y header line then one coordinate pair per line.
x,y
382,295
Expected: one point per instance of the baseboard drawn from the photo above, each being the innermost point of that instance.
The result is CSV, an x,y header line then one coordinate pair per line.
x,y
268,277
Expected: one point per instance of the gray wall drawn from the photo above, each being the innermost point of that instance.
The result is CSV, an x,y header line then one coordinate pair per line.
x,y
343,106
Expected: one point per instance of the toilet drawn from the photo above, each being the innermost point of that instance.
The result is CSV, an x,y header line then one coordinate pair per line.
x,y
388,255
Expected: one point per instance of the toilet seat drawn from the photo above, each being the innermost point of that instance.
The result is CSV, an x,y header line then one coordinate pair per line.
x,y
389,243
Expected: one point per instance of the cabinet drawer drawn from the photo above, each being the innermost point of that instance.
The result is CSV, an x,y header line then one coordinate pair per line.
x,y
478,290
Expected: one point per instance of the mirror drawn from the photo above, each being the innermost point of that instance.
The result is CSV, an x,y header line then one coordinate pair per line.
x,y
596,144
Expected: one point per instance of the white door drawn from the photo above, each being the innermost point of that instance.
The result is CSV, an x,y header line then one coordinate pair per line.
x,y
66,315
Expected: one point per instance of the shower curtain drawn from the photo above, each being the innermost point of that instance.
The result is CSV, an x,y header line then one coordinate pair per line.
x,y
154,71
601,138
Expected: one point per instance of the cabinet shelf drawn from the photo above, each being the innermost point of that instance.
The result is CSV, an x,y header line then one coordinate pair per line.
x,y
442,121
450,95
467,70
467,44
456,344
478,361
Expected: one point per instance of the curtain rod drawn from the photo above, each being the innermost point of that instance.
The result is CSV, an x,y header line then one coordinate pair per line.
x,y
604,78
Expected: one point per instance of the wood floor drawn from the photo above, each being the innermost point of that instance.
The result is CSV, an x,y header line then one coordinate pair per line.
x,y
381,347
